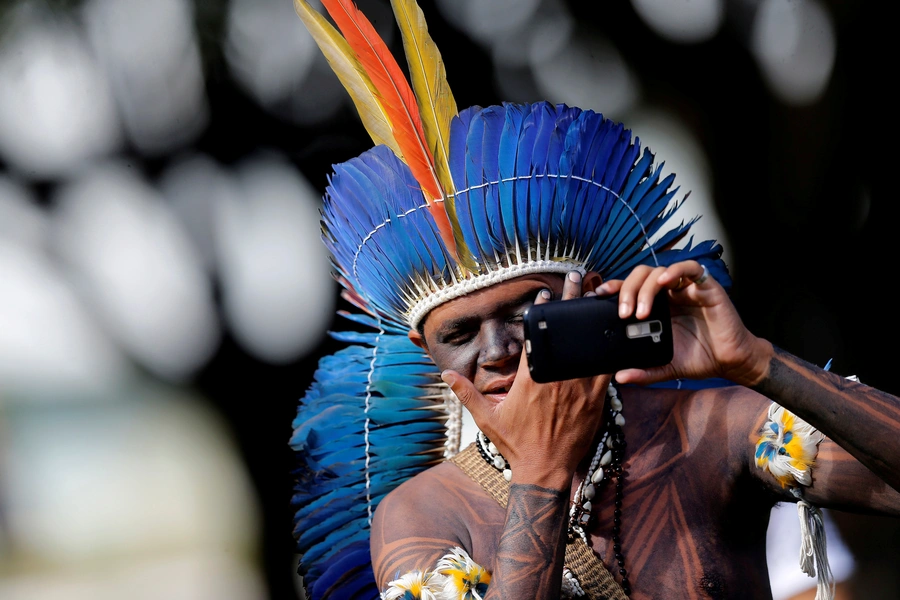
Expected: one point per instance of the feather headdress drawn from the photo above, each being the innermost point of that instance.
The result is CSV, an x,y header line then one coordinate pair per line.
x,y
445,204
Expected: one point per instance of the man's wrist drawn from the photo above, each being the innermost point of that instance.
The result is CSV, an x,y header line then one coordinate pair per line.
x,y
756,371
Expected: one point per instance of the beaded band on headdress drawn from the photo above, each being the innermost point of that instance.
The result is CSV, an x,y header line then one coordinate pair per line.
x,y
445,204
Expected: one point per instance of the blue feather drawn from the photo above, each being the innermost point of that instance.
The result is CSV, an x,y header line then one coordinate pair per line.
x,y
349,575
508,199
493,118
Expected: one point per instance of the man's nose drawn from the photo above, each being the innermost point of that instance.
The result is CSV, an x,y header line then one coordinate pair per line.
x,y
501,345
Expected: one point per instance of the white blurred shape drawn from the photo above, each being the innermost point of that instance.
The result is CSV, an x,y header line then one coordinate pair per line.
x,y
277,290
682,21
133,262
268,48
486,22
194,185
21,219
588,73
783,550
152,60
147,490
204,575
538,40
56,110
794,43
49,345
683,155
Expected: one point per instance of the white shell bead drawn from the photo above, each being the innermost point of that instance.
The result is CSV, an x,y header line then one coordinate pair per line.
x,y
607,458
597,477
616,404
499,462
609,442
589,491
507,474
587,506
493,449
620,420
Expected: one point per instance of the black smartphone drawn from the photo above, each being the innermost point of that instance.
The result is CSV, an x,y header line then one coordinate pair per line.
x,y
585,337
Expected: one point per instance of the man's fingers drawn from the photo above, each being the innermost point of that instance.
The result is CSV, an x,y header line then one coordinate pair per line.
x,y
477,404
645,376
608,288
647,293
543,296
681,275
572,286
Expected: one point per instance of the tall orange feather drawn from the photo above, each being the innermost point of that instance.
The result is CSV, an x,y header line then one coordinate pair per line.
x,y
399,102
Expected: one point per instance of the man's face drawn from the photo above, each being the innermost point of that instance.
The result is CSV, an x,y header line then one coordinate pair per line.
x,y
481,335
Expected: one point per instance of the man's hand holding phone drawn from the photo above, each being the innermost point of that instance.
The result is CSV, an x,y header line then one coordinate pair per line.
x,y
709,338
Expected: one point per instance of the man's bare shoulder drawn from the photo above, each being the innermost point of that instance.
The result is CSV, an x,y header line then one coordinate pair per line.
x,y
437,486
424,517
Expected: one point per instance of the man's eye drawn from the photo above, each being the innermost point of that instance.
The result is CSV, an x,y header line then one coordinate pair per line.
x,y
458,339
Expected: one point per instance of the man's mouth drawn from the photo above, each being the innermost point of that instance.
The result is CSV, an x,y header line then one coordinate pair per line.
x,y
498,390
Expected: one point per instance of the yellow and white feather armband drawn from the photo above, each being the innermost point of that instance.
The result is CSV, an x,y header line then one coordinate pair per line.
x,y
456,577
787,447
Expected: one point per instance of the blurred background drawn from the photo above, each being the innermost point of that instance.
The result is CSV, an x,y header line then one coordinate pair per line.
x,y
164,297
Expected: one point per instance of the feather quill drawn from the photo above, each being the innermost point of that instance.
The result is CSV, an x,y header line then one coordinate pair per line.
x,y
399,101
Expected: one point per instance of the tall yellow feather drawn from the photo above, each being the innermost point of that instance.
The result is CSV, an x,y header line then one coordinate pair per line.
x,y
352,75
437,106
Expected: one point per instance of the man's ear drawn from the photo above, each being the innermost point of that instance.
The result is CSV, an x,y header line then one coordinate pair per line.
x,y
416,338
590,282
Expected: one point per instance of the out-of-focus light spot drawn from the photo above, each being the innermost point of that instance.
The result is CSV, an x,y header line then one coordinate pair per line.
x,y
540,39
484,21
153,63
135,265
205,574
277,290
277,61
56,110
683,155
147,490
588,73
49,345
320,97
21,220
268,48
794,43
682,21
194,185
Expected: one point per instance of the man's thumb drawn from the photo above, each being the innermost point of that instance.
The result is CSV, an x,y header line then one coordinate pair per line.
x,y
465,391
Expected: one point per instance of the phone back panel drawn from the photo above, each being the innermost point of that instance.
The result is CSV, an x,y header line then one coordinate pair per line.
x,y
585,337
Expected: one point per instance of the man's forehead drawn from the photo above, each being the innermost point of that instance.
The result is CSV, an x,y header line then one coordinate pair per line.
x,y
498,297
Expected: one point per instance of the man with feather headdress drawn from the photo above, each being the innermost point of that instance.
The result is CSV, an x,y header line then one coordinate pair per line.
x,y
443,235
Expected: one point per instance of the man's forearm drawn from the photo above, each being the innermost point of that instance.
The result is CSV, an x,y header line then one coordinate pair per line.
x,y
532,548
862,420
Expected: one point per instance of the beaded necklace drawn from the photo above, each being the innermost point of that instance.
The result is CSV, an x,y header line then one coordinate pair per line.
x,y
606,464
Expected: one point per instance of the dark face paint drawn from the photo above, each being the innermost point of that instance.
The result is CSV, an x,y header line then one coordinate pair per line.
x,y
481,335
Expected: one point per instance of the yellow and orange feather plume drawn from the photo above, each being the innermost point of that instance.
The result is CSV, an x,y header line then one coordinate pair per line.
x,y
399,101
436,103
